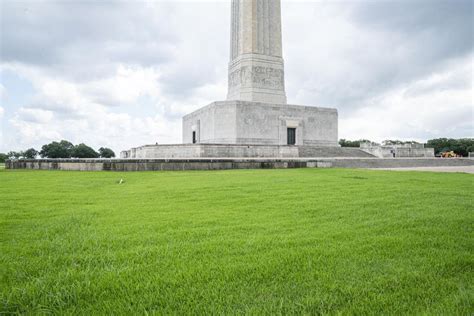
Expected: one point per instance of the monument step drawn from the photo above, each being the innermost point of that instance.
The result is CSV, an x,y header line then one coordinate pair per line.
x,y
332,152
242,150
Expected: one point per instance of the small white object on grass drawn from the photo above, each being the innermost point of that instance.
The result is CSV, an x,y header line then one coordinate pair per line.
x,y
121,181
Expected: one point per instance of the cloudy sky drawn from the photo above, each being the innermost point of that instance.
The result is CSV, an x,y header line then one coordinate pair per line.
x,y
123,73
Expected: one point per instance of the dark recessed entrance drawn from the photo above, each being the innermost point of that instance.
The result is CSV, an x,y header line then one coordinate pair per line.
x,y
194,137
291,136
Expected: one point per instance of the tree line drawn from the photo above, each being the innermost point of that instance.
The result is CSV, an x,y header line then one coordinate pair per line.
x,y
62,149
462,146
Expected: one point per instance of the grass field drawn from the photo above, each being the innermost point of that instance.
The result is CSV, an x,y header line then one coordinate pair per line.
x,y
312,241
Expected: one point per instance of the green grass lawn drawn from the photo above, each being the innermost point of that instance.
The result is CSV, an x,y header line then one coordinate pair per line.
x,y
306,241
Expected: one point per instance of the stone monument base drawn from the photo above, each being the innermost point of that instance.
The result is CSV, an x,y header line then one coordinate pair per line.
x,y
256,123
244,129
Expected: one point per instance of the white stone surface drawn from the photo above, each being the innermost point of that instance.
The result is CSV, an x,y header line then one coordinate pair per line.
x,y
211,151
398,151
241,122
256,68
236,151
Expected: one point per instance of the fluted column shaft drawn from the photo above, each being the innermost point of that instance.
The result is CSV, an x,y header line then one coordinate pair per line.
x,y
256,69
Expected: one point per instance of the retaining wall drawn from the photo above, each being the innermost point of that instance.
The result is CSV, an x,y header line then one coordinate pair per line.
x,y
222,164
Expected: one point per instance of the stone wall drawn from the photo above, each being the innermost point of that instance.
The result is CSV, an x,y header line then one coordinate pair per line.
x,y
239,151
252,123
398,151
222,164
156,164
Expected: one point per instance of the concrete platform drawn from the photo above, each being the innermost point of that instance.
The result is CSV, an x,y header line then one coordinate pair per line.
x,y
192,151
230,163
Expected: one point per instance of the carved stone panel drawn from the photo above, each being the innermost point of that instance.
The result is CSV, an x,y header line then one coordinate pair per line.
x,y
257,77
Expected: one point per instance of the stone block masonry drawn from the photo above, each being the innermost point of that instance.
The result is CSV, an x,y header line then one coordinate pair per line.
x,y
253,123
239,151
256,67
398,151
223,164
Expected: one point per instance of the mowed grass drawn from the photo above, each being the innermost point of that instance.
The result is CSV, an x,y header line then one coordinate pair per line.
x,y
304,241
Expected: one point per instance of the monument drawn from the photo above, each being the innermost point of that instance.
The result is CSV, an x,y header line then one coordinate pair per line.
x,y
255,120
256,110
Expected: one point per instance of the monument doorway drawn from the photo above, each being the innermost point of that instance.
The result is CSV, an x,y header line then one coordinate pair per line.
x,y
194,137
291,136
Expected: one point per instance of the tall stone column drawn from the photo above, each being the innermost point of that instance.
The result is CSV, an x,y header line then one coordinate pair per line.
x,y
256,69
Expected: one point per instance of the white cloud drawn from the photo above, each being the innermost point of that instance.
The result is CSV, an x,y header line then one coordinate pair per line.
x,y
81,112
440,105
124,87
35,115
2,112
3,92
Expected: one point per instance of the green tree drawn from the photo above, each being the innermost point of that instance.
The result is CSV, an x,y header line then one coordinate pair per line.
x,y
106,152
63,149
84,151
463,146
353,143
30,153
460,146
389,142
3,157
14,154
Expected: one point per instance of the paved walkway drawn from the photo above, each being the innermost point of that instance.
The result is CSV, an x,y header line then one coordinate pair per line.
x,y
464,169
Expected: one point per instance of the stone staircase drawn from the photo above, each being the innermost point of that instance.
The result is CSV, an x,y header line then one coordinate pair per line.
x,y
332,152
